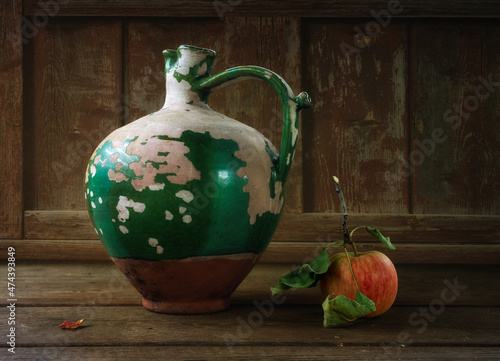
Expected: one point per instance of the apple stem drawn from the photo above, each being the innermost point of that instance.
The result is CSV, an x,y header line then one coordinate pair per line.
x,y
350,266
354,249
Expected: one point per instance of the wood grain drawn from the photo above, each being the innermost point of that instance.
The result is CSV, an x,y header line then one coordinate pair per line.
x,y
308,227
319,8
262,352
273,43
11,121
455,148
455,326
294,253
359,123
91,283
76,103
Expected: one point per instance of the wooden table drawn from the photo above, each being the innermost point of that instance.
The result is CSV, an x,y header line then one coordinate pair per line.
x,y
446,313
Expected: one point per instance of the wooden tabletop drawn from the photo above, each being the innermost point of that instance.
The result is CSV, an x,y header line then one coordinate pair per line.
x,y
447,314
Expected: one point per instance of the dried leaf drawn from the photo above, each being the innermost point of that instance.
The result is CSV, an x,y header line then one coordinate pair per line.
x,y
386,241
71,325
342,310
305,276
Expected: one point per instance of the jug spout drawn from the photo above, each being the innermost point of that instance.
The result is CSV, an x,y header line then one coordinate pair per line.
x,y
182,67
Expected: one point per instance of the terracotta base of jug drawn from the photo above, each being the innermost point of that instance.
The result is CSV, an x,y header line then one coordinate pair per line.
x,y
188,286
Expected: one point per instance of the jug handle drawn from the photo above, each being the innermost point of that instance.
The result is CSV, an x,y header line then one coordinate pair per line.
x,y
291,106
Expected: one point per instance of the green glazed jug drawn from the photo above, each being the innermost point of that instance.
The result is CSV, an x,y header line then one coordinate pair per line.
x,y
186,200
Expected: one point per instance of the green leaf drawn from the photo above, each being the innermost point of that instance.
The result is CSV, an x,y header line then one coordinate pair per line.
x,y
342,310
305,276
386,241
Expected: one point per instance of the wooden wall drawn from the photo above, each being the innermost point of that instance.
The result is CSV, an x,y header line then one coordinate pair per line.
x,y
396,115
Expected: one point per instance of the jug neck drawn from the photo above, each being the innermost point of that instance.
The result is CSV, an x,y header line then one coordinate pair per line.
x,y
182,67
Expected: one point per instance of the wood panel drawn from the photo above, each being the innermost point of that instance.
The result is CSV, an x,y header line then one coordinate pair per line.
x,y
76,102
318,8
455,148
101,284
308,227
359,122
419,238
433,325
287,325
273,43
11,121
264,352
293,253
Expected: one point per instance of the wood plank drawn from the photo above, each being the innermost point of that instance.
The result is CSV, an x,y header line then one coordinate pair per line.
x,y
319,8
351,133
101,284
261,352
308,227
277,252
455,147
273,43
247,325
76,89
11,119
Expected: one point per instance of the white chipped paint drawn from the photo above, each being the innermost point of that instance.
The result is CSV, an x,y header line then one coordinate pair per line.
x,y
123,208
92,170
268,74
97,159
92,204
116,176
168,215
288,158
189,58
100,200
185,195
95,230
117,144
91,193
113,220
202,69
187,218
182,210
153,242
100,230
123,229
179,168
159,249
114,157
156,187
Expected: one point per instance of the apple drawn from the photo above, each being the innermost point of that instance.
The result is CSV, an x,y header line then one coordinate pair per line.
x,y
375,276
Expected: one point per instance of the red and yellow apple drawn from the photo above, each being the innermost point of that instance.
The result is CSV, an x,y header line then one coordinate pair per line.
x,y
375,276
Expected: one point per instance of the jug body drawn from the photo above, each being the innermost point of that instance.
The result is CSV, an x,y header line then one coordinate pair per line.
x,y
185,200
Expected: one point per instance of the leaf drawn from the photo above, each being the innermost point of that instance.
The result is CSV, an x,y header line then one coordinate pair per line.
x,y
342,310
305,276
386,241
71,325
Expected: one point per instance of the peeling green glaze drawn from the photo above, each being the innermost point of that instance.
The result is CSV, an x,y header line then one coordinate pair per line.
x,y
178,190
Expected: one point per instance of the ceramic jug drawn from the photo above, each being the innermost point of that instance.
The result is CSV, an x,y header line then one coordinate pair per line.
x,y
186,200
